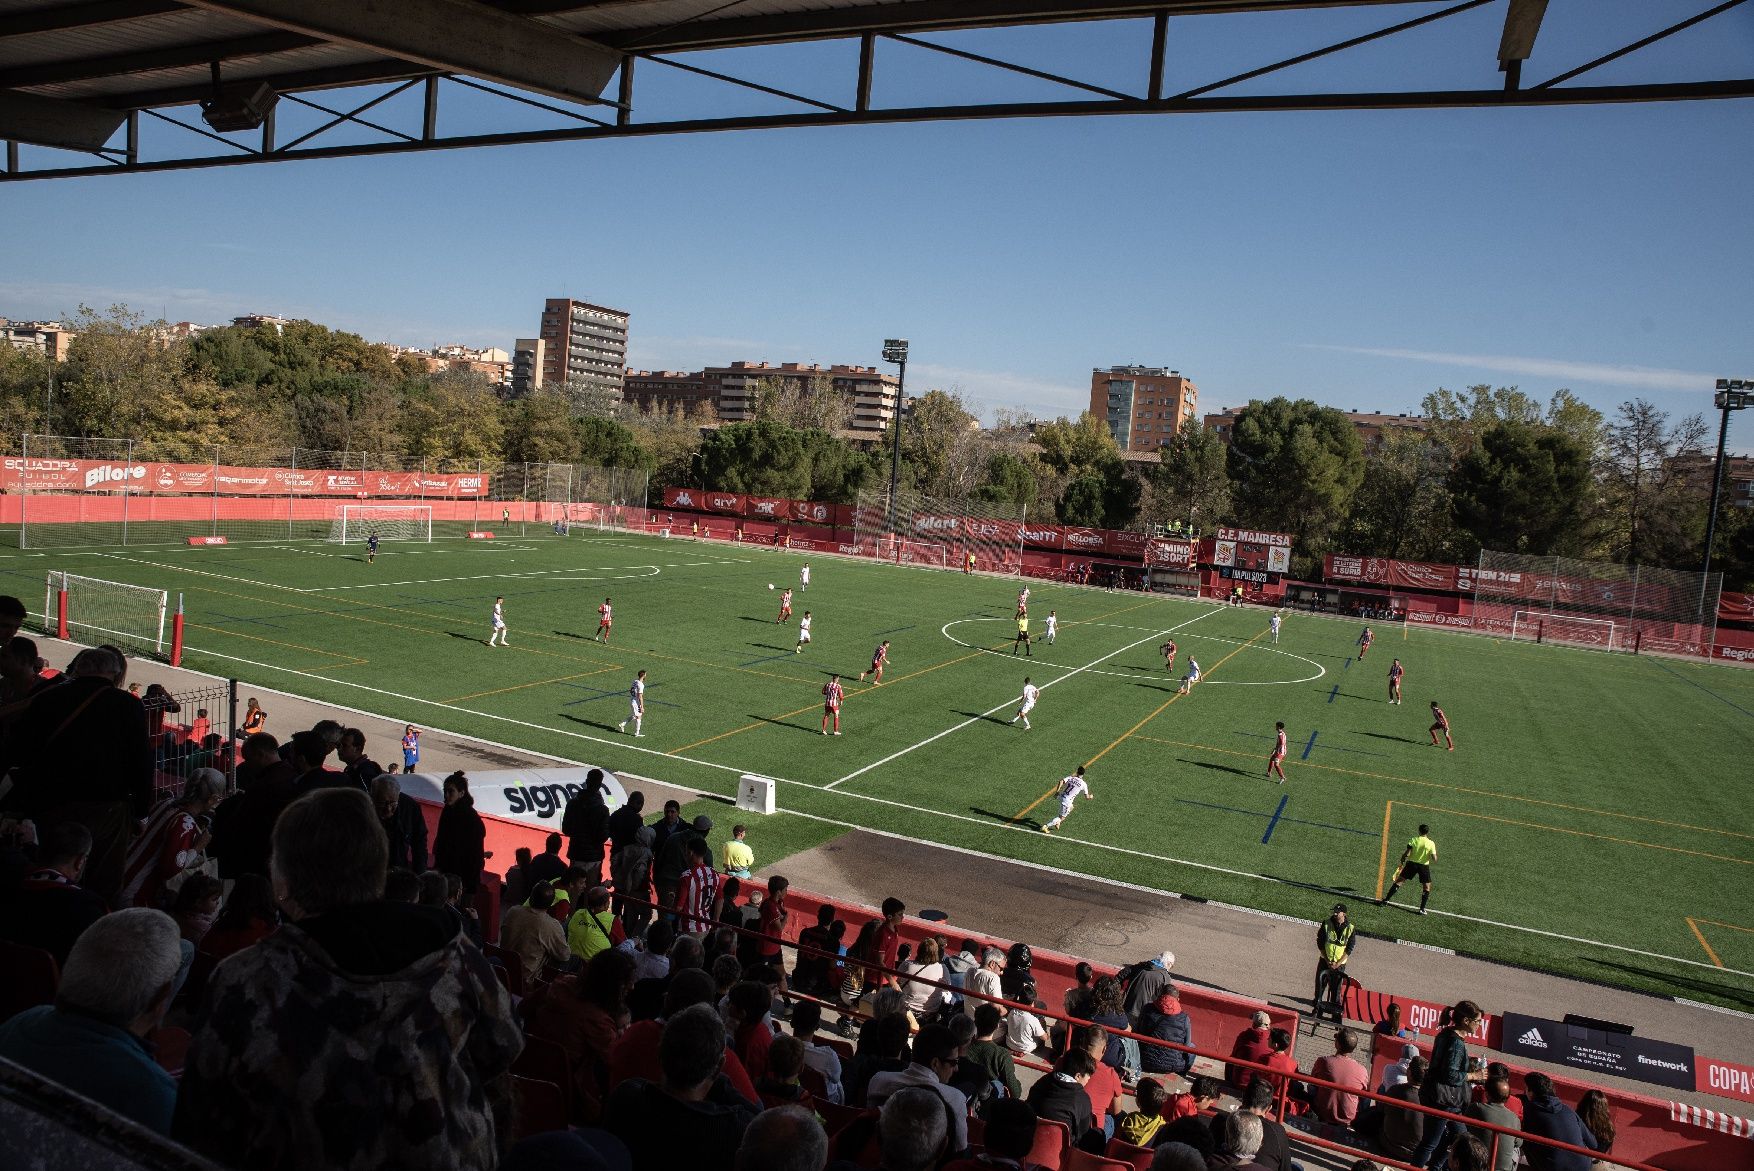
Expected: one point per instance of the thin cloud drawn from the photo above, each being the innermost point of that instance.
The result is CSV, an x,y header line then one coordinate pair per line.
x,y
1558,370
992,389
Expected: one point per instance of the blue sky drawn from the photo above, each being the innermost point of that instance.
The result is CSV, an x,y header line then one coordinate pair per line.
x,y
1360,259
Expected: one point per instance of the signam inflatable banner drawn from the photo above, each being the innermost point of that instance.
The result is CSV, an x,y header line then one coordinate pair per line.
x,y
533,797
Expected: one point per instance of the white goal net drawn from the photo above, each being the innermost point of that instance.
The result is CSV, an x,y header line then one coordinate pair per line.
x,y
387,522
1570,630
92,610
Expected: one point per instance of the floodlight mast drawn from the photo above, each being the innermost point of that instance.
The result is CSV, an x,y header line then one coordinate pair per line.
x,y
895,350
1733,394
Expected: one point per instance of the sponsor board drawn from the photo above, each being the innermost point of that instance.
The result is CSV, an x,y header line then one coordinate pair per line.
x,y
480,536
533,797
1421,1016
1735,654
1726,1079
1254,537
1170,554
1621,1054
207,540
83,475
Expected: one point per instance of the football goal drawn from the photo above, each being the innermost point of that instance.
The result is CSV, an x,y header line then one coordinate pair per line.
x,y
1546,626
92,610
388,522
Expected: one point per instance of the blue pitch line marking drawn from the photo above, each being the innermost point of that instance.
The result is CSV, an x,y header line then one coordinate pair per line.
x,y
622,694
1277,813
1701,687
1344,829
1348,664
1333,693
1310,747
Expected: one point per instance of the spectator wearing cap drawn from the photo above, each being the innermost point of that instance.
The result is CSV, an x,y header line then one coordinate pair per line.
x,y
1395,1072
1252,1044
50,910
404,1038
986,980
933,1065
115,987
1148,984
173,840
81,753
1335,937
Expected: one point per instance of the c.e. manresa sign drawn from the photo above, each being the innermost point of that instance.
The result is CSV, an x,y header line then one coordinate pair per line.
x,y
531,796
1620,1054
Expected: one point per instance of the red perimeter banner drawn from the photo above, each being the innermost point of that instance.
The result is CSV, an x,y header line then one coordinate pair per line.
x,y
1418,575
88,475
1044,537
767,508
1119,543
1734,607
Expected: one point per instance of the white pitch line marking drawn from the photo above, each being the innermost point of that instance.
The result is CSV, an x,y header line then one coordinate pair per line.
x,y
1320,670
1007,703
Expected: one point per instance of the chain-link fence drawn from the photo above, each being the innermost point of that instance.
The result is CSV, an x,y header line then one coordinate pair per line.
x,y
191,728
1600,604
930,530
63,491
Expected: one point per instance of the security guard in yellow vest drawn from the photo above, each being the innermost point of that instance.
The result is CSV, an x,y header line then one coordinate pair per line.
x,y
1334,940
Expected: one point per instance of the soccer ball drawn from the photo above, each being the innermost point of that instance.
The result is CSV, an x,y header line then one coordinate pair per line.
x,y
770,585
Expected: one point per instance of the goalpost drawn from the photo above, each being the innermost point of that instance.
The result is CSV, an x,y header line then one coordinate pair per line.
x,y
1546,626
389,522
90,609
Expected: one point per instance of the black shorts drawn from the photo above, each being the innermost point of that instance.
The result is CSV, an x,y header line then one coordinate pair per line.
x,y
1412,870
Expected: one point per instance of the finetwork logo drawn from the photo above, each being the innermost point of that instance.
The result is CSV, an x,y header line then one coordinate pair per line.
x,y
1533,1039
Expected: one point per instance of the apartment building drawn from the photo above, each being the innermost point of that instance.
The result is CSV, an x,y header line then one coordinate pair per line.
x,y
583,341
1143,405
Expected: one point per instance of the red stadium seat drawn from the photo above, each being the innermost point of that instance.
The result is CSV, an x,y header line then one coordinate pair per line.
x,y
1052,1139
1077,1160
541,1107
1139,1158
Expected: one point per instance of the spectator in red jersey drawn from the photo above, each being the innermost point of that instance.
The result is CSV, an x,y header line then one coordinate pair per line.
x,y
1203,1094
746,1012
697,895
248,917
772,926
171,845
1252,1044
889,942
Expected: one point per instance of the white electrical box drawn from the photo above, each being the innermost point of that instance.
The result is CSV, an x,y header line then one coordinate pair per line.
x,y
755,794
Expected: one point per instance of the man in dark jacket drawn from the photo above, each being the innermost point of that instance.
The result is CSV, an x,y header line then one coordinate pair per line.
x,y
586,826
403,824
359,769
692,1118
50,910
244,822
1545,1115
82,754
1166,1021
1147,985
1060,1096
261,761
672,860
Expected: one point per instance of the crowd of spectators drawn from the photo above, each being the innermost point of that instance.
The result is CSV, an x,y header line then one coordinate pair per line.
x,y
343,1010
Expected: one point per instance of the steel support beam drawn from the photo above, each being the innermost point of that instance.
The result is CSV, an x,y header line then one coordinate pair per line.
x,y
46,122
453,36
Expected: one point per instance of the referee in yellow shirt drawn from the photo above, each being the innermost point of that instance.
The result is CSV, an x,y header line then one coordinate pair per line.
x,y
739,858
1416,862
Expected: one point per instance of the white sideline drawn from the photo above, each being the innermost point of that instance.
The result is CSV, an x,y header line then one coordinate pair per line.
x,y
1007,703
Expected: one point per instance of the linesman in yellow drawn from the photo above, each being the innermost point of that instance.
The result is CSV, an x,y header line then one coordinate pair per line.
x,y
1416,862
1334,940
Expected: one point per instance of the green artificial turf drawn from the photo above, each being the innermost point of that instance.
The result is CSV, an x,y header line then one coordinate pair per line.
x,y
1600,798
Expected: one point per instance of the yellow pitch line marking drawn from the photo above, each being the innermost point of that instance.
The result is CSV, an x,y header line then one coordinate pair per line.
x,y
1382,859
537,683
350,660
1028,809
1700,936
1583,834
1352,772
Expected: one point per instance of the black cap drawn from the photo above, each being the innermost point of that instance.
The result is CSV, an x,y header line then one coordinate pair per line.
x,y
1339,908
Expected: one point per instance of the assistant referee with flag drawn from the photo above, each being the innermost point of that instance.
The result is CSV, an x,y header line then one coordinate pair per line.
x,y
1416,862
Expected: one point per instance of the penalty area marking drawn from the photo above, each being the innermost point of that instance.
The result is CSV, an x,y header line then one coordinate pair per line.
x,y
1319,669
982,822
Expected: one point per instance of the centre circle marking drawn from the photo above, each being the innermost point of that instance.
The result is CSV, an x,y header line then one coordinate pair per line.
x,y
1319,669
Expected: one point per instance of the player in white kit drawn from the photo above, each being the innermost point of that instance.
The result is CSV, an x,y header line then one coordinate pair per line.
x,y
499,628
1053,627
803,632
1030,691
636,705
1193,677
1070,789
1275,625
804,578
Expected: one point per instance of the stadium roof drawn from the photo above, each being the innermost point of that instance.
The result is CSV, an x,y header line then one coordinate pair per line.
x,y
83,75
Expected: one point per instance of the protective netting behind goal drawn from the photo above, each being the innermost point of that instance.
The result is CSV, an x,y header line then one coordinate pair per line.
x,y
933,530
1598,604
601,498
388,522
132,617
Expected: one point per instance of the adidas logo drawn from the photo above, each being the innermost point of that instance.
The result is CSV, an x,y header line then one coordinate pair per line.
x,y
1533,1038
